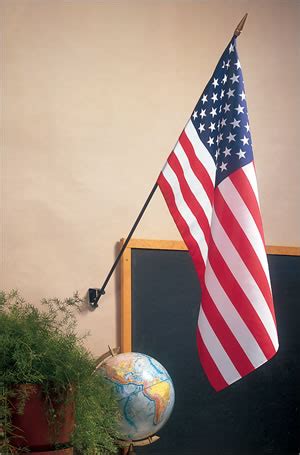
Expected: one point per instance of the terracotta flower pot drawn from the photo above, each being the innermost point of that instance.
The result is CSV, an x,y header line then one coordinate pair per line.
x,y
32,426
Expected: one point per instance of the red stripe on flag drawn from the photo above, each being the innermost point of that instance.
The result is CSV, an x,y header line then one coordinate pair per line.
x,y
243,246
189,197
225,335
197,166
246,192
240,301
209,366
183,227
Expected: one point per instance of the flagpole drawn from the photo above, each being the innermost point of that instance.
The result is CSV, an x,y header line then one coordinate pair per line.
x,y
95,294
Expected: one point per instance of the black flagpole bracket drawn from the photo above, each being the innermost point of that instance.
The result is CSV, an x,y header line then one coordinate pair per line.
x,y
94,295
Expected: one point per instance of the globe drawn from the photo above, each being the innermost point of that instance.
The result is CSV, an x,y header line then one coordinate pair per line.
x,y
144,391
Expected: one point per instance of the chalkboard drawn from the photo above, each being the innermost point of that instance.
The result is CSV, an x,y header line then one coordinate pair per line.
x,y
259,414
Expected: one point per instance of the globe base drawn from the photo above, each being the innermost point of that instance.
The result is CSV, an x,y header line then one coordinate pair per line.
x,y
128,446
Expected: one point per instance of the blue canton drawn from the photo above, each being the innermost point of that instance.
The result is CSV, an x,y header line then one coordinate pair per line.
x,y
221,117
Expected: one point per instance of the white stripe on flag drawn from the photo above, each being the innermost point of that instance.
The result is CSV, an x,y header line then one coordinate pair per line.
x,y
185,211
195,185
201,151
232,318
216,350
243,215
244,278
249,171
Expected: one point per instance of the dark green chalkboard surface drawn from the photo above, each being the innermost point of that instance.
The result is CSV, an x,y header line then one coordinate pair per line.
x,y
259,414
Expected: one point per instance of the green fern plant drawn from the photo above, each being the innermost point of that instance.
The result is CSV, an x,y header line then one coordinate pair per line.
x,y
41,346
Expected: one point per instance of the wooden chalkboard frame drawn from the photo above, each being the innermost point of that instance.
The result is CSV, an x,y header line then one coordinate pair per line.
x,y
126,276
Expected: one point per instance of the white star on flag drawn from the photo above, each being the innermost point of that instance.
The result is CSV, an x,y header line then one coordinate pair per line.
x,y
235,123
231,137
210,141
230,93
234,78
237,64
227,151
239,109
245,140
214,97
223,167
213,112
241,154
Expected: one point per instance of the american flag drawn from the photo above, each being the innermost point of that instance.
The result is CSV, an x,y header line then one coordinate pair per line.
x,y
209,184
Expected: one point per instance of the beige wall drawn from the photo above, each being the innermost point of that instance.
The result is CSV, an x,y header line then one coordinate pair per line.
x,y
95,96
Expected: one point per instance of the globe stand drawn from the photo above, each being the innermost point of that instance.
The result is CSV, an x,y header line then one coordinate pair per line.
x,y
131,450
111,353
128,446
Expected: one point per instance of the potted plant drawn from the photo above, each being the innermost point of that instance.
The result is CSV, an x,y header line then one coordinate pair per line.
x,y
50,396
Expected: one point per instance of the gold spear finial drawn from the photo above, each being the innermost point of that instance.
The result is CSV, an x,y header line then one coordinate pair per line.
x,y
240,26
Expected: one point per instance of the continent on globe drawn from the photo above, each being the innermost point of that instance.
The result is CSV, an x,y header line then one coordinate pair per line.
x,y
161,394
145,393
